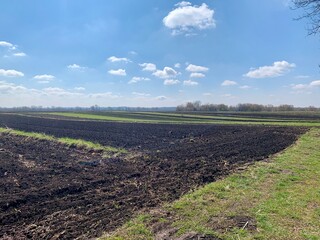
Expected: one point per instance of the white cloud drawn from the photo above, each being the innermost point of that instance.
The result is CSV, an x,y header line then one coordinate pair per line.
x,y
79,89
59,92
186,18
315,83
76,67
11,88
299,86
177,65
119,72
197,75
227,95
276,70
302,76
148,67
44,77
227,83
116,59
140,94
20,54
183,4
6,44
10,73
138,79
190,83
161,98
195,68
245,87
17,95
133,53
167,72
171,82
207,94
104,95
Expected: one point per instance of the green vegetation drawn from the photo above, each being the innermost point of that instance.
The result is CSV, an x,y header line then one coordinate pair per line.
x,y
276,199
68,141
179,118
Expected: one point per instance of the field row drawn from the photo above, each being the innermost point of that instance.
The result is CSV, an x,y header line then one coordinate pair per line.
x,y
192,118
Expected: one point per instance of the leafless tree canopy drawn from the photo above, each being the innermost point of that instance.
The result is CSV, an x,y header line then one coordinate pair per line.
x,y
312,11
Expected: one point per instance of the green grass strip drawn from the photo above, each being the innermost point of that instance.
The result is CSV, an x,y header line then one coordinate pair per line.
x,y
280,197
67,141
181,120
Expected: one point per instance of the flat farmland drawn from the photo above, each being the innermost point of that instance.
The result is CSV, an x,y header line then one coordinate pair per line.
x,y
50,190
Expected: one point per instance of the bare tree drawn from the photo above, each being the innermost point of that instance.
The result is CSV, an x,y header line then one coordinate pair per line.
x,y
312,11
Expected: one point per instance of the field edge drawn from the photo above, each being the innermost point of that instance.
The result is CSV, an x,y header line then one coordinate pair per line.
x,y
273,199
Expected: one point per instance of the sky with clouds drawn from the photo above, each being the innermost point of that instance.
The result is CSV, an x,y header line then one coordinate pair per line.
x,y
156,53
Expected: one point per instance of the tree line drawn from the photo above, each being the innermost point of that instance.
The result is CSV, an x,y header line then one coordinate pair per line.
x,y
242,107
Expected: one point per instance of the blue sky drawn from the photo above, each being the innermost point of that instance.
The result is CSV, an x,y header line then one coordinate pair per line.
x,y
155,53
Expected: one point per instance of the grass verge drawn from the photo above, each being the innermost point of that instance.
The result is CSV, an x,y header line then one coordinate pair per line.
x,y
277,199
68,141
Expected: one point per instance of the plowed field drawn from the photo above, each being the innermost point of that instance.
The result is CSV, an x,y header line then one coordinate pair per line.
x,y
49,190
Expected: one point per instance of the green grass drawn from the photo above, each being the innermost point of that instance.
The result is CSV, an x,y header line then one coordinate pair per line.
x,y
178,118
135,229
281,196
68,141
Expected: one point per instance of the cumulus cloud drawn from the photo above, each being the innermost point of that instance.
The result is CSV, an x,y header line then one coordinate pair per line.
x,y
6,44
277,69
10,73
76,67
245,87
195,68
313,84
150,67
138,79
227,83
55,91
11,49
116,59
44,77
190,83
16,92
185,18
20,54
197,75
104,95
167,72
171,82
119,72
177,65
299,86
79,89
161,98
11,88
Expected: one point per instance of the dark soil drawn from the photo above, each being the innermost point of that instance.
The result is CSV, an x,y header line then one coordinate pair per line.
x,y
51,191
